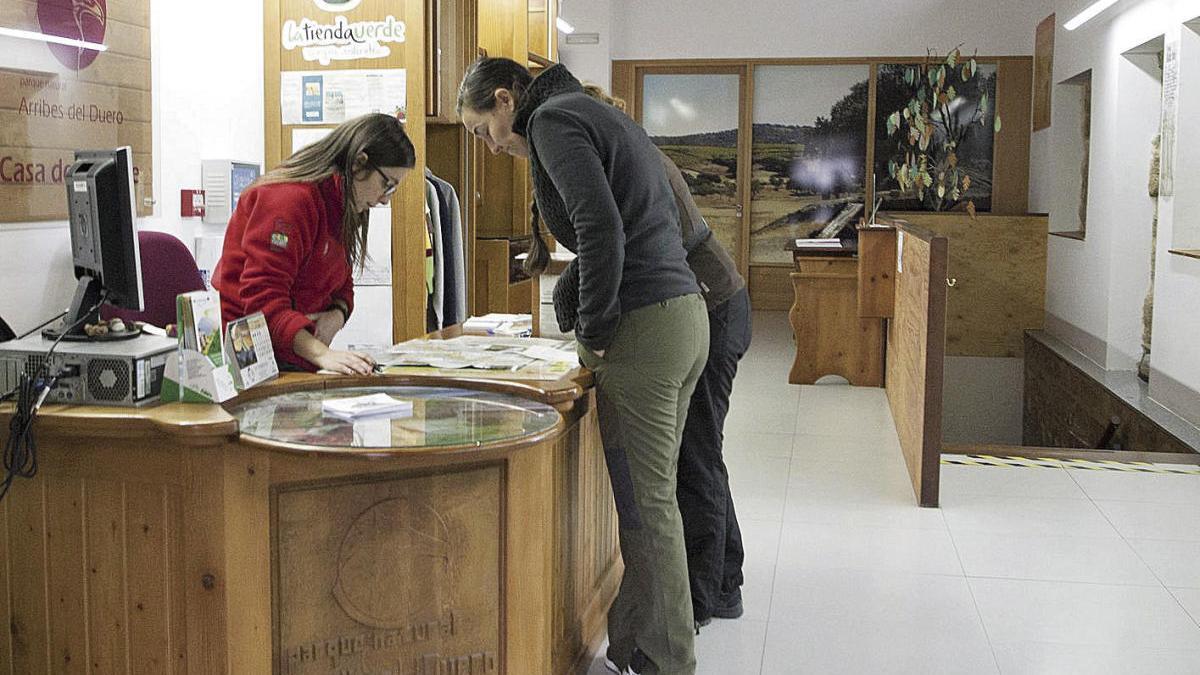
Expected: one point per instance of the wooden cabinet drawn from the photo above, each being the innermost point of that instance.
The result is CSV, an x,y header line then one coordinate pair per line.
x,y
543,33
494,190
450,46
496,289
831,339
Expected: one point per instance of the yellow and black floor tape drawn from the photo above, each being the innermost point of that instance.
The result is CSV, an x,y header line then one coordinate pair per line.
x,y
1092,465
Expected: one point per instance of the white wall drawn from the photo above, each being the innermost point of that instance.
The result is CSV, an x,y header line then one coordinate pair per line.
x,y
207,70
1096,286
799,28
590,63
1139,108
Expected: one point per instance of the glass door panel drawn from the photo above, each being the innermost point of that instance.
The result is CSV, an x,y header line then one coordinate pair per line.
x,y
809,153
693,119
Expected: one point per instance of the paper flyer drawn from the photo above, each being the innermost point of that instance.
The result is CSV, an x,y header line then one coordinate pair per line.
x,y
252,356
334,96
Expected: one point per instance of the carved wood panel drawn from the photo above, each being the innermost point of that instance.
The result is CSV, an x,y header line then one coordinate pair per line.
x,y
394,576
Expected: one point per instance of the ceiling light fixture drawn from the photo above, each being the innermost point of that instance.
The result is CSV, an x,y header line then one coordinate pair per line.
x,y
56,39
1086,15
564,26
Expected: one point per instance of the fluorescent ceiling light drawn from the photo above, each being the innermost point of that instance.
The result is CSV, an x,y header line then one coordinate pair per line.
x,y
1086,15
564,26
30,35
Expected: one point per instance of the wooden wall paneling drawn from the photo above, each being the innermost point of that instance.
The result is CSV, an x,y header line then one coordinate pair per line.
x,y
529,532
494,187
408,205
1010,163
469,200
520,297
539,26
446,156
491,276
624,82
272,114
998,264
104,530
432,61
565,633
203,565
876,272
174,525
247,514
149,567
109,591
770,288
27,576
915,353
585,543
451,49
67,576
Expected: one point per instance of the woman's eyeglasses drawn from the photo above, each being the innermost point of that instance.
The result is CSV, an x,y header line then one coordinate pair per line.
x,y
389,186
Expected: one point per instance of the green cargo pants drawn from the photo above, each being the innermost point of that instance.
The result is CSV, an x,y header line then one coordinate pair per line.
x,y
644,384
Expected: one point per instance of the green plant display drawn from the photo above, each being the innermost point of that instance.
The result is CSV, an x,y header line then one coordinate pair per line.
x,y
932,126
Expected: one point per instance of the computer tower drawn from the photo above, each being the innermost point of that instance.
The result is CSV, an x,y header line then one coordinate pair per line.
x,y
123,373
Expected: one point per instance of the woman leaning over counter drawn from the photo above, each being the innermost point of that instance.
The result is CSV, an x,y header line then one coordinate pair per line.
x,y
642,325
300,230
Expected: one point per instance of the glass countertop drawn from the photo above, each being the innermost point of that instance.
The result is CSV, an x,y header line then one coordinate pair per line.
x,y
440,417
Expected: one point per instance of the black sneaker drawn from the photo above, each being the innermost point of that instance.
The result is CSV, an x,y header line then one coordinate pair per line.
x,y
729,605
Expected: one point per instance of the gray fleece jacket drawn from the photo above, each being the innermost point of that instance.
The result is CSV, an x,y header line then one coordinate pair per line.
x,y
594,165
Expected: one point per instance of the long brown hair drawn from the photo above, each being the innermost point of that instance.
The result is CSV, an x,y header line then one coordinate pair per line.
x,y
380,137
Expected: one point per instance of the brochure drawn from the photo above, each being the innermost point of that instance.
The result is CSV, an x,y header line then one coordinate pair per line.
x,y
369,405
252,356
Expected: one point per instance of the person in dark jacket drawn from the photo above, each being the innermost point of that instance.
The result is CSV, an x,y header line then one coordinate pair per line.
x,y
642,328
710,526
299,231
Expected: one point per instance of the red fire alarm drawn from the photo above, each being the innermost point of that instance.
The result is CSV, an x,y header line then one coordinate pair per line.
x,y
191,203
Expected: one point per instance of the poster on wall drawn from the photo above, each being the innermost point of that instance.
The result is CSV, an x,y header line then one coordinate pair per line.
x,y
1170,107
93,92
1043,72
334,96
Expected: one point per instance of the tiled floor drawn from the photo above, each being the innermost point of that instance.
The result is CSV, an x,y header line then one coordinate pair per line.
x,y
1022,569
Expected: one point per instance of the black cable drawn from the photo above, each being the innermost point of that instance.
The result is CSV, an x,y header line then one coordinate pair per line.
x,y
41,326
20,450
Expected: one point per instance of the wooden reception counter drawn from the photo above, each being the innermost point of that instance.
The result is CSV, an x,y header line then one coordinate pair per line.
x,y
476,536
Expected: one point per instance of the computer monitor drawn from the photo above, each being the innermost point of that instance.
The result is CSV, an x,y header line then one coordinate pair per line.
x,y
104,241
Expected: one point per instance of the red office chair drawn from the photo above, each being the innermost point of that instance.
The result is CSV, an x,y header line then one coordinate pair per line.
x,y
168,269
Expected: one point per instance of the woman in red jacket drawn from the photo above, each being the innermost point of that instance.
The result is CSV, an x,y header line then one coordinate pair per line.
x,y
299,231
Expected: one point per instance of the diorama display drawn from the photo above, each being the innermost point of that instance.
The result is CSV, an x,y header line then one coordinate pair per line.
x,y
694,120
934,134
809,152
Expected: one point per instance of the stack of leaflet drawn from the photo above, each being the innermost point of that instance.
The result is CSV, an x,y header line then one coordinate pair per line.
x,y
370,405
507,325
819,243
